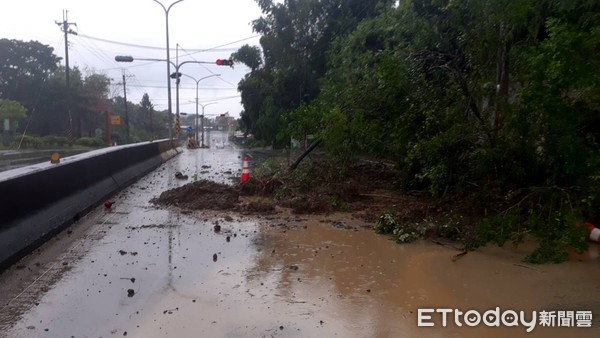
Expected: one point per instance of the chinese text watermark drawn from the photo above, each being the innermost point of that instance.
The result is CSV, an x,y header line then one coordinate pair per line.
x,y
497,317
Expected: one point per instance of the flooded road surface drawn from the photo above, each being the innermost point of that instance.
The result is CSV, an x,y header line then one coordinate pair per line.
x,y
139,270
368,284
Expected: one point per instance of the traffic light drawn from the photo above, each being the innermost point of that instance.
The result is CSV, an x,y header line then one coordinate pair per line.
x,y
123,58
175,75
224,62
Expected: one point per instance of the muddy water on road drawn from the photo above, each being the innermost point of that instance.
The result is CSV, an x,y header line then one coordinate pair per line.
x,y
365,282
144,271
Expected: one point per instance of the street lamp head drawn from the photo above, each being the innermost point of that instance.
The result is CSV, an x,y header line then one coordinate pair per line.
x,y
124,58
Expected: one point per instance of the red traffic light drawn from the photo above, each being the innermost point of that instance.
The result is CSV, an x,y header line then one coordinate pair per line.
x,y
224,62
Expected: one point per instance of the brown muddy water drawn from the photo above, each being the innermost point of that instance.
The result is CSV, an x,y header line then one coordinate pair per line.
x,y
140,270
374,287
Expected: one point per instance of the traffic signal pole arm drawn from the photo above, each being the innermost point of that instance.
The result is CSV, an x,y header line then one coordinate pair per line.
x,y
127,58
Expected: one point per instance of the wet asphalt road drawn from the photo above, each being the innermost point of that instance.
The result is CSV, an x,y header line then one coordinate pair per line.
x,y
164,257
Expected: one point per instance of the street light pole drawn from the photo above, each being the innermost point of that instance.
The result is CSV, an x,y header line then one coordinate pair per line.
x,y
197,86
176,76
168,64
202,123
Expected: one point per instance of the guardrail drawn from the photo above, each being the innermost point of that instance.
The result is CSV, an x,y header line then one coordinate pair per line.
x,y
38,201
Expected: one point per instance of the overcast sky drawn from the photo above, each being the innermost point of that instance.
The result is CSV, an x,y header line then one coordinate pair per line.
x,y
193,24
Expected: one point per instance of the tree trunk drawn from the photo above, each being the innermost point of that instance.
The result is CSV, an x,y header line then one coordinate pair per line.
x,y
312,147
502,78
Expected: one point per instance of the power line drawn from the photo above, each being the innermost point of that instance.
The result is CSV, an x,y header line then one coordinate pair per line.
x,y
227,44
103,56
195,51
187,88
193,99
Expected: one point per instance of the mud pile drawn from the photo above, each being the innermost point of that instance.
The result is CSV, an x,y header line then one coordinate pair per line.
x,y
364,188
364,191
200,195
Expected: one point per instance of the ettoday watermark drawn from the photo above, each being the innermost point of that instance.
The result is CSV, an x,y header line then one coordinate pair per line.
x,y
498,317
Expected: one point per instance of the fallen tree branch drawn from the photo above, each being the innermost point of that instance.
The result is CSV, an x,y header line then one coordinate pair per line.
x,y
459,255
312,147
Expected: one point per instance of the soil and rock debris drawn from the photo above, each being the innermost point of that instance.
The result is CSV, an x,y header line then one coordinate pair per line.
x,y
365,193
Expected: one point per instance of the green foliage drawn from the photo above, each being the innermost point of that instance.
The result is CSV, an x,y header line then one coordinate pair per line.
x,y
143,117
296,37
549,213
386,223
339,136
497,229
53,140
248,55
548,252
437,162
409,232
304,120
44,142
91,142
338,203
406,234
31,142
269,168
11,110
24,68
496,94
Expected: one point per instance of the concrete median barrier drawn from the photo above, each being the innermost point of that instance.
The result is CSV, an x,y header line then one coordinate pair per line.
x,y
38,201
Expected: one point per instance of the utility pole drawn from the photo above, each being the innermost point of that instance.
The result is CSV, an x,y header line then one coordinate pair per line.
x,y
66,30
126,114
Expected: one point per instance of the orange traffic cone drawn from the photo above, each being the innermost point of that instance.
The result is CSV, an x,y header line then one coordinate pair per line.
x,y
245,171
594,232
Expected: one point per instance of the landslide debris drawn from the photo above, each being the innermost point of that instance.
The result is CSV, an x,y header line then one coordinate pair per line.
x,y
200,195
308,190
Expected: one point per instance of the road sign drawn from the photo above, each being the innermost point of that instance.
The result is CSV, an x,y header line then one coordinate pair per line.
x,y
115,120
